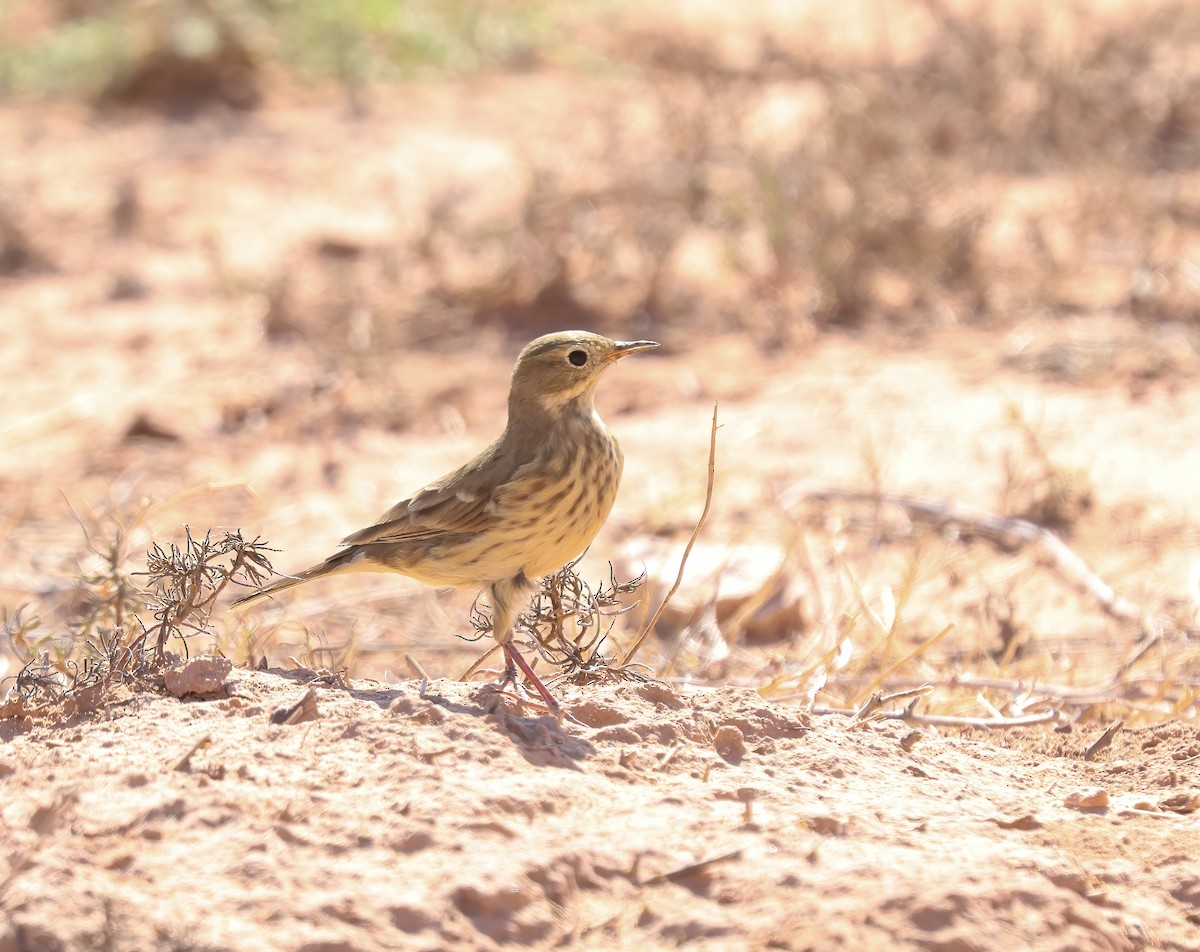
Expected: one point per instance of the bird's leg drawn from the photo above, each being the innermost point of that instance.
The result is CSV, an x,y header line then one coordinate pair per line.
x,y
511,674
503,620
514,659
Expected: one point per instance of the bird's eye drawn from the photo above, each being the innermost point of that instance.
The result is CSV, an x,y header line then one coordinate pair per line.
x,y
578,357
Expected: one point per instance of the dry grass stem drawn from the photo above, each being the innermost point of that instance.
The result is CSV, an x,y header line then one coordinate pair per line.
x,y
478,663
708,494
895,666
416,668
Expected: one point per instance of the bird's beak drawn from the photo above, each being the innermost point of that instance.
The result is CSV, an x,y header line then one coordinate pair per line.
x,y
623,348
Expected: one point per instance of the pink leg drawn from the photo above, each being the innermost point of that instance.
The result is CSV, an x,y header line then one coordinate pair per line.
x,y
513,657
504,595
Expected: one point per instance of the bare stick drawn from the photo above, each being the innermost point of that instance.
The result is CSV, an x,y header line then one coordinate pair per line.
x,y
1003,528
708,494
940,720
1136,656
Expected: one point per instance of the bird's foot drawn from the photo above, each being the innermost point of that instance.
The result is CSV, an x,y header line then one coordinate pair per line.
x,y
514,667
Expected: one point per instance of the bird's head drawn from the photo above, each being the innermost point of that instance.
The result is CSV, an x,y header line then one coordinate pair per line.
x,y
559,369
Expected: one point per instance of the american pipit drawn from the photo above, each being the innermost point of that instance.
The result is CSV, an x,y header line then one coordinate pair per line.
x,y
521,509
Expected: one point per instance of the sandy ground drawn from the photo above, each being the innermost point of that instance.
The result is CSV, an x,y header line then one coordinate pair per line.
x,y
396,820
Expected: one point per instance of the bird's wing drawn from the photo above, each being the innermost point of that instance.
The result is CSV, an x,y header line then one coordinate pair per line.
x,y
463,501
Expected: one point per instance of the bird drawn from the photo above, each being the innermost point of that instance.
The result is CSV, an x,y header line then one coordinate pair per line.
x,y
520,510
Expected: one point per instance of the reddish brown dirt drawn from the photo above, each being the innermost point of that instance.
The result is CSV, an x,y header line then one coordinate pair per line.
x,y
716,820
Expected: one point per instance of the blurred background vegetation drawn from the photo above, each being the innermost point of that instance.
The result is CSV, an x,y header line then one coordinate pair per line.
x,y
957,163
80,48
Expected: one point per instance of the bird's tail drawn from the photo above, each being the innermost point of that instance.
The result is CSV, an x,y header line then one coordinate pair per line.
x,y
334,565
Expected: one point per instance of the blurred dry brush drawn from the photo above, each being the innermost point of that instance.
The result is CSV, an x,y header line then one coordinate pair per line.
x,y
1026,160
182,57
1036,486
1014,168
892,195
911,603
